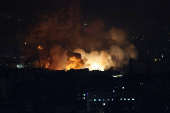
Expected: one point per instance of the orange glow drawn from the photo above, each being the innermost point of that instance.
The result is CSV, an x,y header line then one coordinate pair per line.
x,y
74,63
47,65
39,47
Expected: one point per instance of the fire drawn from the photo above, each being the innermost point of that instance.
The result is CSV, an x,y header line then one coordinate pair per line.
x,y
95,66
47,65
74,63
40,47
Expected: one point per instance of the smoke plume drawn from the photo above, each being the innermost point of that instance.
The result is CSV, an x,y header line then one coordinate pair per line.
x,y
69,44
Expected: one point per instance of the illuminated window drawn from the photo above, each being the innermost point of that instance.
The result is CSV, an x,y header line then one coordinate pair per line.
x,y
78,94
99,99
120,98
133,99
113,90
123,87
128,98
94,99
103,99
162,55
112,99
84,98
104,104
84,94
124,98
107,99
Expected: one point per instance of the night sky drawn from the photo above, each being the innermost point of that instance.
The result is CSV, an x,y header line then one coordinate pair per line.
x,y
149,19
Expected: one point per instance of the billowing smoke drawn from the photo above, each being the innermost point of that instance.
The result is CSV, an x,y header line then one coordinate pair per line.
x,y
62,33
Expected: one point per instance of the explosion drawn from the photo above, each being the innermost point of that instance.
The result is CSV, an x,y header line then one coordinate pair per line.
x,y
64,44
74,61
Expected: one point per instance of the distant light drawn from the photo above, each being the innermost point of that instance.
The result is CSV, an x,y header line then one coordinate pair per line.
x,y
120,98
78,94
128,98
107,99
155,60
103,99
113,90
78,99
89,99
104,104
84,94
20,65
124,98
116,76
167,108
84,97
99,99
159,59
87,94
162,55
133,99
19,20
123,87
112,99
25,43
94,99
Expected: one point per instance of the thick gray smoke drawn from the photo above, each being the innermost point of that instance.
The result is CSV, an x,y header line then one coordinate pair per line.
x,y
63,32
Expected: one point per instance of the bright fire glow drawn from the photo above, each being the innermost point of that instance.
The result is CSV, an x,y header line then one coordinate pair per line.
x,y
95,66
39,47
74,63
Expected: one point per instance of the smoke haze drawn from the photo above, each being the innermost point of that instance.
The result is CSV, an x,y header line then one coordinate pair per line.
x,y
63,32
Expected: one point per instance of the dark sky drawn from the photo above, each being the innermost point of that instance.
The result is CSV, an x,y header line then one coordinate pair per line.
x,y
149,18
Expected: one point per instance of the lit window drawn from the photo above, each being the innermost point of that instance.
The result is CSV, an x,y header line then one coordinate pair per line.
x,y
112,99
124,98
113,90
155,60
107,99
103,99
133,99
120,98
162,55
128,98
78,94
123,87
87,94
99,99
84,94
84,98
94,99
104,104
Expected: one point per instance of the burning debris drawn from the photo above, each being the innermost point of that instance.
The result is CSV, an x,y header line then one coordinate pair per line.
x,y
71,46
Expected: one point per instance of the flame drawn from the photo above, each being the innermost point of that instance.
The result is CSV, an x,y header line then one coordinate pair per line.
x,y
74,63
47,65
95,66
40,47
